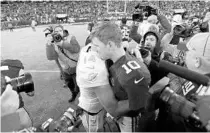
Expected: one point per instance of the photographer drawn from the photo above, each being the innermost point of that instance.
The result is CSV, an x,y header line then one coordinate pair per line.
x,y
151,42
12,102
65,50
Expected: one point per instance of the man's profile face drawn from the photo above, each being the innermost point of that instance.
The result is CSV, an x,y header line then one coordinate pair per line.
x,y
194,58
150,42
100,48
59,30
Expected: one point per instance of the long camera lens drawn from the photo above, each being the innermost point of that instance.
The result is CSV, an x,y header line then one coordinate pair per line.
x,y
180,106
23,83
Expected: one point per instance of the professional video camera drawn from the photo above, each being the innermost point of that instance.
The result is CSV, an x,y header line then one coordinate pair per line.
x,y
67,122
176,103
143,10
23,83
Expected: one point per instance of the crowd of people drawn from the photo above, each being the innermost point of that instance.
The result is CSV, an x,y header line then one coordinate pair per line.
x,y
150,76
45,11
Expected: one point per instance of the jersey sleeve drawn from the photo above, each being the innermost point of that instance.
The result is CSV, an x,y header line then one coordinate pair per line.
x,y
91,71
136,84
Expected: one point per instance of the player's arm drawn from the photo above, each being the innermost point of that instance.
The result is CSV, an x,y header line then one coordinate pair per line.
x,y
109,102
137,90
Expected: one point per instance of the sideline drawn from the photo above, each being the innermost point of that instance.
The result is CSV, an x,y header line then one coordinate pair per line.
x,y
41,71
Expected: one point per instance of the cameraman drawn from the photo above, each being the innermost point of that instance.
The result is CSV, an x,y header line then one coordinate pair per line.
x,y
12,103
66,52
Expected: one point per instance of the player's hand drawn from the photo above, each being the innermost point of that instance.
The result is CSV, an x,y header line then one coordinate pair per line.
x,y
9,100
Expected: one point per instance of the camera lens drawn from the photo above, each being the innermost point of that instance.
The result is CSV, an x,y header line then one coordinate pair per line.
x,y
24,83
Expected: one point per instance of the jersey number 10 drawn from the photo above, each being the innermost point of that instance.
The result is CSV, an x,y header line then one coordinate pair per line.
x,y
131,65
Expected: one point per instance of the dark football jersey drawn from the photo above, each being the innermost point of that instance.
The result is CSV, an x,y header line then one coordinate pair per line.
x,y
189,88
130,80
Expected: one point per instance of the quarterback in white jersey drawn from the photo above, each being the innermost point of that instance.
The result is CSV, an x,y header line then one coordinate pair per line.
x,y
96,94
91,72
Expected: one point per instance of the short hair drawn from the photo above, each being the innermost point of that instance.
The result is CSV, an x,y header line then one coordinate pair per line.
x,y
107,31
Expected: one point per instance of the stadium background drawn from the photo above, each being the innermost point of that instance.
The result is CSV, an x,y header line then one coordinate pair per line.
x,y
51,99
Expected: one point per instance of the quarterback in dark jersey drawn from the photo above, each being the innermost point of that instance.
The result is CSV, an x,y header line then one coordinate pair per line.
x,y
130,77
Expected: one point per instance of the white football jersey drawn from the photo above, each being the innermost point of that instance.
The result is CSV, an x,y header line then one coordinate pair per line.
x,y
91,72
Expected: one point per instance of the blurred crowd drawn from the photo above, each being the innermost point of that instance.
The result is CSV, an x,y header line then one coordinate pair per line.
x,y
46,11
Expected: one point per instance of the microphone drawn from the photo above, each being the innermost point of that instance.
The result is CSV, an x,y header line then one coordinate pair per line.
x,y
184,73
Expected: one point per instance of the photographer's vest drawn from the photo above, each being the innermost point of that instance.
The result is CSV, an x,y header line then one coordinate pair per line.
x,y
66,58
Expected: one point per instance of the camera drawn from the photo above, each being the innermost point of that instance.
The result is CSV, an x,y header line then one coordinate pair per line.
x,y
181,106
137,16
23,83
146,10
69,119
65,123
183,31
57,37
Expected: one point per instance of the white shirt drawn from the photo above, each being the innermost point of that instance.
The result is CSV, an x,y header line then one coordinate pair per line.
x,y
91,72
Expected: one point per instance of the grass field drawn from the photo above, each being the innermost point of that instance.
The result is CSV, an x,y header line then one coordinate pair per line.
x,y
50,99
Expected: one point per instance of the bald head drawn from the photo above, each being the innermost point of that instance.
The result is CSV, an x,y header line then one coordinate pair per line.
x,y
198,54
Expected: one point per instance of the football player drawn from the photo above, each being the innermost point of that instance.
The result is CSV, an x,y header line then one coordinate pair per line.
x,y
130,77
96,96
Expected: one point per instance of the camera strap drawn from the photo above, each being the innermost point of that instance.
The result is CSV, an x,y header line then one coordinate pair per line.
x,y
62,50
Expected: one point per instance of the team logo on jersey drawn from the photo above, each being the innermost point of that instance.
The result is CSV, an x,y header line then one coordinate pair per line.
x,y
92,77
92,58
191,88
187,87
